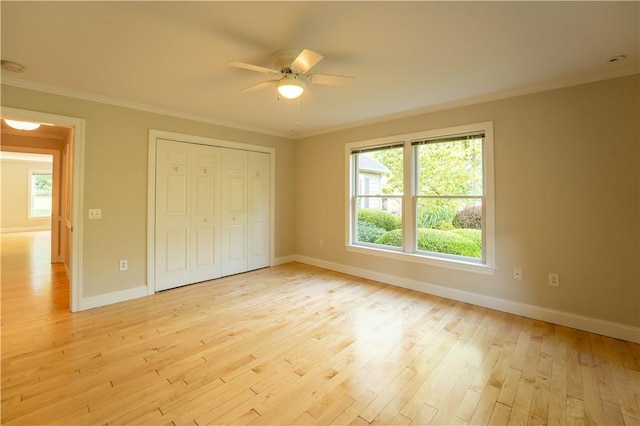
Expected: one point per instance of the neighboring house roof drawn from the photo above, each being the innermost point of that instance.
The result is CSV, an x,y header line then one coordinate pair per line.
x,y
370,164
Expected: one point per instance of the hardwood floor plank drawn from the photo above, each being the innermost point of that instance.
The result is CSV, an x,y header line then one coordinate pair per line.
x,y
449,408
500,414
575,411
557,414
469,406
351,412
509,388
486,405
522,403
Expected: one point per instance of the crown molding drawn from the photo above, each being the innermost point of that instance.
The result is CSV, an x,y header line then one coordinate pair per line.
x,y
61,91
12,81
481,99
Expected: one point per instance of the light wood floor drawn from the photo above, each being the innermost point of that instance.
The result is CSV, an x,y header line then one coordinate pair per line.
x,y
294,344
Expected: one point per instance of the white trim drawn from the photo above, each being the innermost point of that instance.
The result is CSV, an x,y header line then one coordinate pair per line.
x,y
203,140
404,254
114,297
507,94
37,218
26,229
154,135
567,319
151,213
78,124
459,265
15,82
284,259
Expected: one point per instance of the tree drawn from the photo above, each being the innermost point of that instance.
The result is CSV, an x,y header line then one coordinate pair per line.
x,y
445,168
43,183
393,159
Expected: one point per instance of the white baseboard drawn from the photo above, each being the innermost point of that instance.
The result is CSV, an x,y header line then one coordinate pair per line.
x,y
26,229
580,322
284,259
115,297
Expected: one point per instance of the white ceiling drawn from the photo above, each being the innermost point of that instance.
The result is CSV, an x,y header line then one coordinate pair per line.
x,y
407,57
23,156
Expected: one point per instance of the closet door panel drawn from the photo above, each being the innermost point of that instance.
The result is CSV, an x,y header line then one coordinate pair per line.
x,y
234,211
258,210
205,215
172,215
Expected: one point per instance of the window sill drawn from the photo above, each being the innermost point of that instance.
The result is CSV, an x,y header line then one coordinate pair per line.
x,y
476,268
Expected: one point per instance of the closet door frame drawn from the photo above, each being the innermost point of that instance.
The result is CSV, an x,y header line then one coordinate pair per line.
x,y
154,135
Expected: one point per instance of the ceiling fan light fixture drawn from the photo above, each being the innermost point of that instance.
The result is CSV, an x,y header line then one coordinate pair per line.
x,y
290,87
22,125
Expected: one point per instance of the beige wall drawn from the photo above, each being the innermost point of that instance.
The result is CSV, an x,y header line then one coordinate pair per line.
x,y
567,199
567,194
15,195
115,180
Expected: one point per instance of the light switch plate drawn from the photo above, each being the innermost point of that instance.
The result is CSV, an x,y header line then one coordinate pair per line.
x,y
95,213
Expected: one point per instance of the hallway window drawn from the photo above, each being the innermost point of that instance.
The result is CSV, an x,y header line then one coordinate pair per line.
x,y
40,184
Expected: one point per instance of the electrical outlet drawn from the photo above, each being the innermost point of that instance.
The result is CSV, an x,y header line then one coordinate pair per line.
x,y
554,280
517,273
321,242
95,213
124,265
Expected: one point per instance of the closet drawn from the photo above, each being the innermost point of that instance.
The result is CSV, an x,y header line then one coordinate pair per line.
x,y
211,212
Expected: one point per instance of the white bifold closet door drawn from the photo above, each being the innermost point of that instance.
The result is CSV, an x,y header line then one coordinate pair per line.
x,y
212,212
234,211
258,177
187,213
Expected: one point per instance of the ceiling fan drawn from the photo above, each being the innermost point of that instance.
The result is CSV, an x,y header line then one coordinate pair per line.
x,y
291,68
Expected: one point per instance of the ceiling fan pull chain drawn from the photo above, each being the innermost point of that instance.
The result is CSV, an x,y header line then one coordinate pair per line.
x,y
298,119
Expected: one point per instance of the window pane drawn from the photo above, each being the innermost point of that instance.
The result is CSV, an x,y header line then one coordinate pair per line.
x,y
41,194
379,221
380,172
450,226
379,192
450,168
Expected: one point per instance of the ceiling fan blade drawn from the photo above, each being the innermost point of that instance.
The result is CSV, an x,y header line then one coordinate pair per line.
x,y
252,67
306,60
332,80
258,86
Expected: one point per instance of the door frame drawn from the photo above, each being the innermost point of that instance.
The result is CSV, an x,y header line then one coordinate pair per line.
x,y
77,186
154,135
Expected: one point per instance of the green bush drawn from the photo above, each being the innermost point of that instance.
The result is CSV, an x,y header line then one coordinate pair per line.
x,y
379,218
469,217
368,232
391,238
430,218
474,235
435,240
444,225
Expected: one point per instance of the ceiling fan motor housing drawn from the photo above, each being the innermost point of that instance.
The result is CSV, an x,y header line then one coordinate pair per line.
x,y
283,59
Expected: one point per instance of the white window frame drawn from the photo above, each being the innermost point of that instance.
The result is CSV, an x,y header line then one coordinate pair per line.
x,y
406,253
33,172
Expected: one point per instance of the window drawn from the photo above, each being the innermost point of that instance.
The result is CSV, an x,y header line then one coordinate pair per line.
x,y
40,184
426,197
379,196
